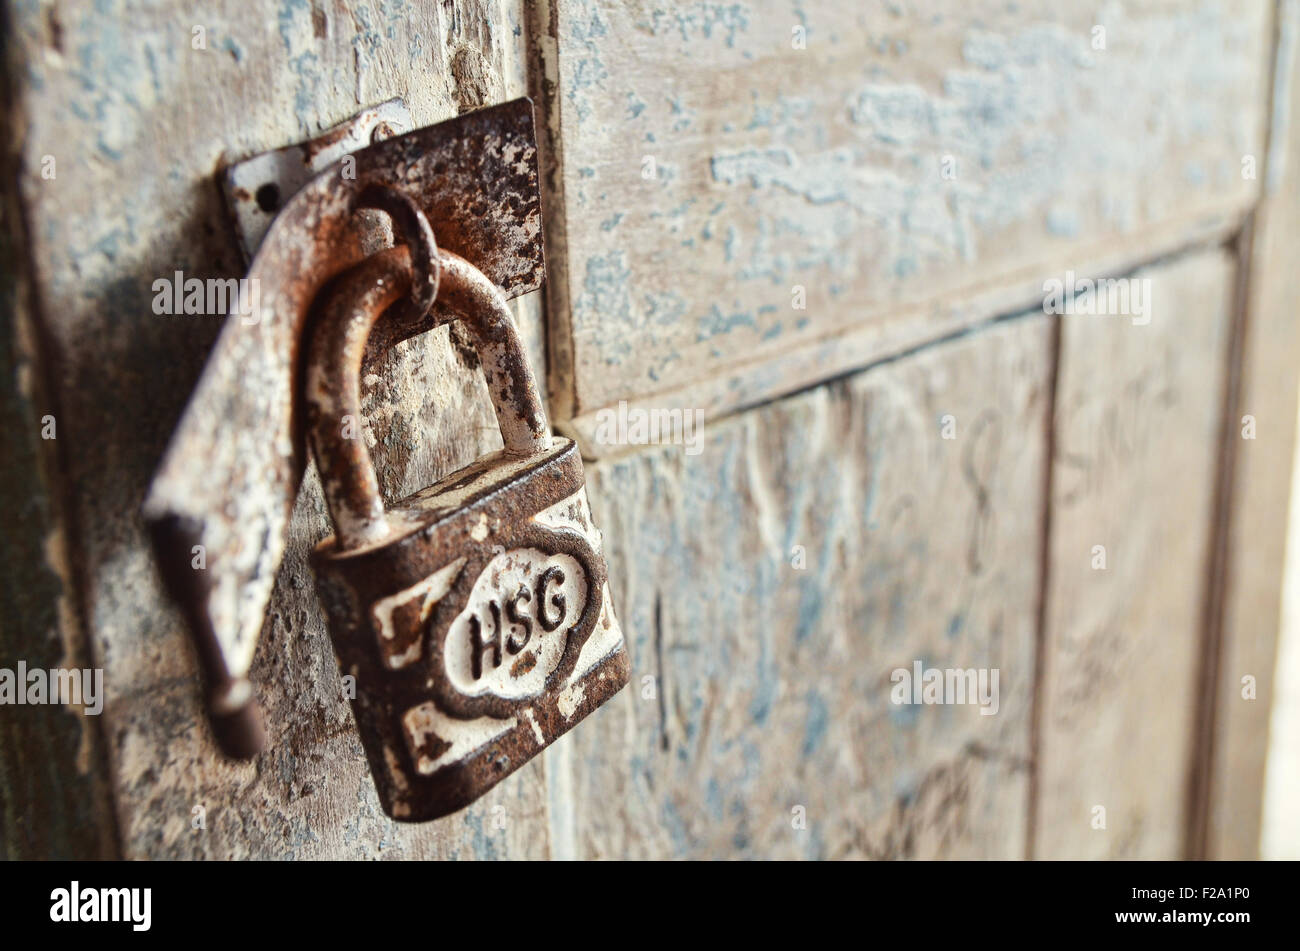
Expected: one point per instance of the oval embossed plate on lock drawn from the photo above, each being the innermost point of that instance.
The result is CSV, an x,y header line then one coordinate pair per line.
x,y
562,577
512,634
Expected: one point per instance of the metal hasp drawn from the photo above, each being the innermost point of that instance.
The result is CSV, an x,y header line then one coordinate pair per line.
x,y
257,188
224,490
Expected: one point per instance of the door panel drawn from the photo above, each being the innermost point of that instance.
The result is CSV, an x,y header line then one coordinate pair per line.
x,y
1260,483
759,686
1138,413
704,167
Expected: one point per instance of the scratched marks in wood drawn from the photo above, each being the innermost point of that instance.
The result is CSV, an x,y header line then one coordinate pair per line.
x,y
705,168
772,684
1137,421
139,122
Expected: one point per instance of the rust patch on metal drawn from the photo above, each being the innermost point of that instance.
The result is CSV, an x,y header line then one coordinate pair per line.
x,y
523,664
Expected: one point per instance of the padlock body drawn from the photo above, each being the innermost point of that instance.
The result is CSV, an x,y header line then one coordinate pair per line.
x,y
479,631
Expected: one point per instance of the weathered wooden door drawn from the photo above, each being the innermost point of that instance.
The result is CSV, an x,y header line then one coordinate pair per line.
x,y
846,250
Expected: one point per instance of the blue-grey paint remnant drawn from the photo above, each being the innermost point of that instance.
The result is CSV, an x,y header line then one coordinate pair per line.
x,y
582,43
732,245
1063,222
812,600
716,322
682,117
231,46
904,714
701,19
816,723
665,308
821,181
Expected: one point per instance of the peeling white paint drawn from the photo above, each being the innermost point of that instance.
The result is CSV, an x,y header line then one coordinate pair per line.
x,y
431,590
465,736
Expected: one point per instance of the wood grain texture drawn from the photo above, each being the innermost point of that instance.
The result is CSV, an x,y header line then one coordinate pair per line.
x,y
824,168
138,122
1261,481
1136,428
772,683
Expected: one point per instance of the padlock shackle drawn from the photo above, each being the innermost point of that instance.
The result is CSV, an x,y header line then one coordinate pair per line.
x,y
348,312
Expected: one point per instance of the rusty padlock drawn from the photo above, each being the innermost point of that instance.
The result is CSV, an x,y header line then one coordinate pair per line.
x,y
474,615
